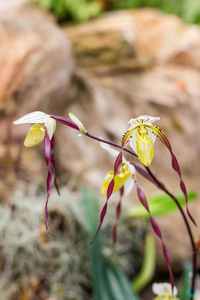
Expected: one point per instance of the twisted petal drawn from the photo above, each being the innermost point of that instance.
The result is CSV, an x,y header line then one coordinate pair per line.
x,y
47,153
163,138
119,181
118,213
118,163
52,158
124,179
156,229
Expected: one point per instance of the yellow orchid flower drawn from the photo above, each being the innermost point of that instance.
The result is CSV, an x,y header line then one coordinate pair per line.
x,y
123,178
36,133
164,291
42,130
142,138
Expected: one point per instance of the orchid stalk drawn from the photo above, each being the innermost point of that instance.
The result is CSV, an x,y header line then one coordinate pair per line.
x,y
141,137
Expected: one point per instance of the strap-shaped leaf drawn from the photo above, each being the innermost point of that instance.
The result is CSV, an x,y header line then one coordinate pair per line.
x,y
161,135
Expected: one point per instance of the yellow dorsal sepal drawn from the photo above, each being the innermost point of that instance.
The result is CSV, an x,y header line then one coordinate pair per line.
x,y
119,181
34,136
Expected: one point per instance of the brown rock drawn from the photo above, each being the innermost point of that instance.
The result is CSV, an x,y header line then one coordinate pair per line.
x,y
36,65
105,44
134,39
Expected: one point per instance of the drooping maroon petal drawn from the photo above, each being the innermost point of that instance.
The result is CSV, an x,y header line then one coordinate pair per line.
x,y
156,229
163,138
53,165
65,121
118,163
47,154
144,173
118,213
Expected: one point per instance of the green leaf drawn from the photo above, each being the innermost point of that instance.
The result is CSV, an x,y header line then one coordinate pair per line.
x,y
148,267
118,283
160,205
90,210
110,283
184,288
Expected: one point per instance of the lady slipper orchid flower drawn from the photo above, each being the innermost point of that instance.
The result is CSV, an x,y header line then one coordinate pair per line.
x,y
164,291
143,138
119,179
43,130
124,176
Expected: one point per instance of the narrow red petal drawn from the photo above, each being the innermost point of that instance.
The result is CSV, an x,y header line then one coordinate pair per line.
x,y
118,213
53,166
47,153
118,163
156,229
161,135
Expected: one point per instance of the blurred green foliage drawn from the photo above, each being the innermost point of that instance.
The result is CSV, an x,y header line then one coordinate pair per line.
x,y
184,287
188,10
82,10
110,282
76,10
161,205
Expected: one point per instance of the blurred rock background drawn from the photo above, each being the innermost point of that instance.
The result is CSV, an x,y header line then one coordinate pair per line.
x,y
106,71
